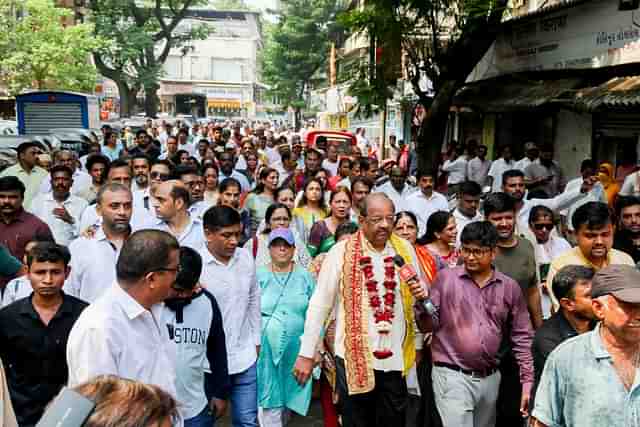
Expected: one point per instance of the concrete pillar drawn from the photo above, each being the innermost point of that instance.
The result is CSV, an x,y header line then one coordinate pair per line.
x,y
572,142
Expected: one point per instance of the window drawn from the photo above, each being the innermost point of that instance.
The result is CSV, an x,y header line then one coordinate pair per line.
x,y
173,67
227,70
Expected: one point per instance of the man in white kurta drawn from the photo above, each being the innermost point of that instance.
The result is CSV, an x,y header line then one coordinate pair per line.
x,y
364,378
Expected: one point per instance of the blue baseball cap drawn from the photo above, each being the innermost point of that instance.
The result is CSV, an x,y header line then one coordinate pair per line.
x,y
282,233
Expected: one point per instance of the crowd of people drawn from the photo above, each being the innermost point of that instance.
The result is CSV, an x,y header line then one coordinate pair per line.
x,y
181,274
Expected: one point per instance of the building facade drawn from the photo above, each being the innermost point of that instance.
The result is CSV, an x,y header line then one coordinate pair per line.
x,y
219,76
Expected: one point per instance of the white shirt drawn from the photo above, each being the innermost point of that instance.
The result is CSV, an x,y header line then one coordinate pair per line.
x,y
116,335
192,235
462,221
631,185
399,199
556,204
328,294
81,182
273,156
498,167
18,288
93,266
244,182
237,293
63,232
523,163
332,167
477,170
139,217
423,207
545,253
457,170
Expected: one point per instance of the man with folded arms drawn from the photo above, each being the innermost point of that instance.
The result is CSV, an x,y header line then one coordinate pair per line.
x,y
474,308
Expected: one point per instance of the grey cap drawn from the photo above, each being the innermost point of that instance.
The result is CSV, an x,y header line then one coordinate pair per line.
x,y
621,281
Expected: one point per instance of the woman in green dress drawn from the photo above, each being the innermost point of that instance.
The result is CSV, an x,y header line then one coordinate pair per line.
x,y
285,293
321,236
261,198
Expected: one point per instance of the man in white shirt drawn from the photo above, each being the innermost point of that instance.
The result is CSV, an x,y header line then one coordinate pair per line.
x,y
229,274
531,153
140,165
331,162
81,179
478,167
466,212
396,188
123,333
498,167
171,202
375,344
59,209
456,168
93,258
426,201
513,184
171,148
226,163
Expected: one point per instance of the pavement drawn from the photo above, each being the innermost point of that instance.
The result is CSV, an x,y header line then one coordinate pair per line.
x,y
313,418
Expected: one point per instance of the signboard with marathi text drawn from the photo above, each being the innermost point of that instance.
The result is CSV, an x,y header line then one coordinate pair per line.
x,y
590,35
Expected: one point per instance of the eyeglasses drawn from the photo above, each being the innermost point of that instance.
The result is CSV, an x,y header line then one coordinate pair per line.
x,y
160,176
539,227
476,252
170,270
379,220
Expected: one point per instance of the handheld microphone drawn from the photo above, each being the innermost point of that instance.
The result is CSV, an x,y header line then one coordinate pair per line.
x,y
408,274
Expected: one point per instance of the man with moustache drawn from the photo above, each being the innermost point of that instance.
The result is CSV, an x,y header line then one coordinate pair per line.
x,y
592,380
140,165
59,208
34,332
94,257
376,338
122,333
144,146
572,286
627,236
477,309
513,184
426,201
594,236
545,174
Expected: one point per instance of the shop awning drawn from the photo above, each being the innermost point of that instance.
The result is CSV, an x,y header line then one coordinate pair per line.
x,y
224,104
619,93
514,94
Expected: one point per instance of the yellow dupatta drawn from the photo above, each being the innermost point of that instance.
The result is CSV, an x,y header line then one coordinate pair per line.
x,y
358,354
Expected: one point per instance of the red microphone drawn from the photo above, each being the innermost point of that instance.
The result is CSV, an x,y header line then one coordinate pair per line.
x,y
406,271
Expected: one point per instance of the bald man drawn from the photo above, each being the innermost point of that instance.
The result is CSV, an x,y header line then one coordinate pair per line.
x,y
171,202
373,353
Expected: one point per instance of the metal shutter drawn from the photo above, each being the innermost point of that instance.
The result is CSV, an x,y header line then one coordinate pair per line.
x,y
39,117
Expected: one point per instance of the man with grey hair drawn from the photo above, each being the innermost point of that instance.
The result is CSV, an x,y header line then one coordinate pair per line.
x,y
81,180
122,332
592,379
93,258
376,336
572,286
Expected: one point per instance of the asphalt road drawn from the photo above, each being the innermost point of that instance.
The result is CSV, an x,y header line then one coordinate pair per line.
x,y
313,418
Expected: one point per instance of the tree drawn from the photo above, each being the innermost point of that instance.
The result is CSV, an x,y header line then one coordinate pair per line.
x,y
38,52
296,47
142,34
442,40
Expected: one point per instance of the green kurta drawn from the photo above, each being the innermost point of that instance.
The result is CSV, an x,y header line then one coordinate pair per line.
x,y
284,300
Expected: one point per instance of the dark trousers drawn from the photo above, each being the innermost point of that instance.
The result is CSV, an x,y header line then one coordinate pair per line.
x,y
508,405
384,406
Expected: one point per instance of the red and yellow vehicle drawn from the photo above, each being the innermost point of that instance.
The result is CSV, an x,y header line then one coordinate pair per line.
x,y
344,141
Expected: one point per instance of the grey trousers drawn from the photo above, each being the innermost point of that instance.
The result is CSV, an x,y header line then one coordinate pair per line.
x,y
463,401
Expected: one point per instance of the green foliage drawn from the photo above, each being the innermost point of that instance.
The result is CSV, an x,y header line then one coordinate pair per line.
x,y
142,33
38,52
442,40
297,47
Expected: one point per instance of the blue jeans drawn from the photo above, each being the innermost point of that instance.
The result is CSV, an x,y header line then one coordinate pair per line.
x,y
244,398
203,419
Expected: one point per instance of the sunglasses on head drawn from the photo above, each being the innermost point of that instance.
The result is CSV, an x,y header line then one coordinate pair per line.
x,y
541,226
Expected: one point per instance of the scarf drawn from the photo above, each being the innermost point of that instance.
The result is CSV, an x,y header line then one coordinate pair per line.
x,y
358,354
